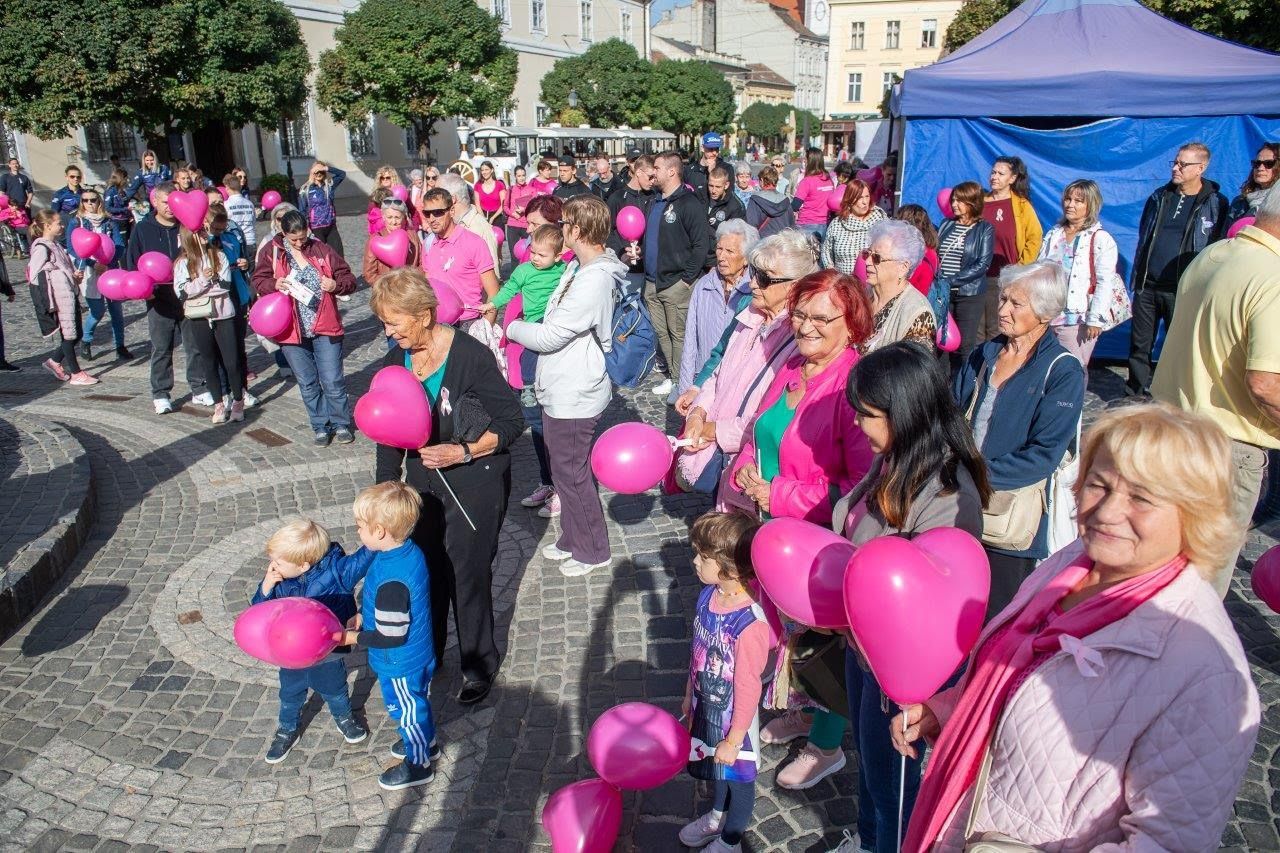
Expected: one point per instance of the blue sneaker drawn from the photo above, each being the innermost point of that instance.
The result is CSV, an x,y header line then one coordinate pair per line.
x,y
280,745
433,751
406,775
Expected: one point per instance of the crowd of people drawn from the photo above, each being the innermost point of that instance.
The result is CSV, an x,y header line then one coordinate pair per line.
x,y
801,324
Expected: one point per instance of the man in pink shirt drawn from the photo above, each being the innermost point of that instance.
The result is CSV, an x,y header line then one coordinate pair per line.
x,y
455,257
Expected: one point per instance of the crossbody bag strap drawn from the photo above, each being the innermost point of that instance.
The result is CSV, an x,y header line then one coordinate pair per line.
x,y
759,376
1093,266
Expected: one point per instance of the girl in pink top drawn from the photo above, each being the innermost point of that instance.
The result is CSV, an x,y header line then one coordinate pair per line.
x,y
545,183
813,192
491,193
518,197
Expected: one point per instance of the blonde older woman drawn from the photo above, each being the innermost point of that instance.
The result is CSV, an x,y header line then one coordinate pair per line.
x,y
1110,706
900,312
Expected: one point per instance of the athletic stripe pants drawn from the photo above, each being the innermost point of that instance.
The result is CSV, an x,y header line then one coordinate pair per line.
x,y
407,704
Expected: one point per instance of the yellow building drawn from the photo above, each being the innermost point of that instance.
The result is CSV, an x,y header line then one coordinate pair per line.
x,y
872,41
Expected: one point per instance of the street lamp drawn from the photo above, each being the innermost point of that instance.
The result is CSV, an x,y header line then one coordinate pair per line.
x,y
464,131
573,99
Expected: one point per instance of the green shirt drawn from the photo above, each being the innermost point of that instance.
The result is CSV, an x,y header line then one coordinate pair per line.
x,y
536,285
433,382
770,426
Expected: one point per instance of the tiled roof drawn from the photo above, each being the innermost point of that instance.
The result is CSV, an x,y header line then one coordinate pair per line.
x,y
761,73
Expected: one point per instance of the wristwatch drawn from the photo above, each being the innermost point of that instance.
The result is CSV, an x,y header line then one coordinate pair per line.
x,y
466,453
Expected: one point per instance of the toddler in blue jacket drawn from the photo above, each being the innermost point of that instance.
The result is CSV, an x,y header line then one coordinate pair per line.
x,y
304,562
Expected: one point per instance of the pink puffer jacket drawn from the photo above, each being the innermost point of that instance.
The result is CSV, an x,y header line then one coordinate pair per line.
x,y
1136,742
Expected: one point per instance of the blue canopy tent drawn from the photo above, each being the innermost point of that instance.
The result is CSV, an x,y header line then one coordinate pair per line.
x,y
1099,89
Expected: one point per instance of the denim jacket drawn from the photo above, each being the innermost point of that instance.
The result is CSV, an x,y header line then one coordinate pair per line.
x,y
979,245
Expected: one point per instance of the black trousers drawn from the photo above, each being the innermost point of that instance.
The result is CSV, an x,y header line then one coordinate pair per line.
x,y
967,311
216,344
1007,574
460,562
1150,306
328,234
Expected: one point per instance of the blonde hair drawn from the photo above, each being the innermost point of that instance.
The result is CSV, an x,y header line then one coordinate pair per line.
x,y
403,291
591,217
393,504
1092,200
1182,458
301,542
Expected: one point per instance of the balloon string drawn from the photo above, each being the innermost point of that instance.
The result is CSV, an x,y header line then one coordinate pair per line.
x,y
462,509
681,442
902,782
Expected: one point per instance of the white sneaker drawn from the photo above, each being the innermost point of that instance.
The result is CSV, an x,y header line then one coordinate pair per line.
x,y
572,568
851,844
344,298
718,846
538,497
249,400
205,400
662,389
551,552
701,832
551,508
163,406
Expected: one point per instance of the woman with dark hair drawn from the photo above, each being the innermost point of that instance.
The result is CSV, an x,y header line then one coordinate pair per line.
x,y
518,197
202,280
812,193
965,247
544,210
1007,207
922,276
847,233
927,473
1264,171
491,194
545,183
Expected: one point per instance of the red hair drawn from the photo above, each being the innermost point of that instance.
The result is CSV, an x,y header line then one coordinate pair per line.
x,y
847,295
852,191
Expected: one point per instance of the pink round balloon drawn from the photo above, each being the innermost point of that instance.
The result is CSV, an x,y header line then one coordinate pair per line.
x,y
944,203
151,196
637,746
111,285
512,350
392,249
568,256
949,337
394,411
250,630
860,269
270,199
801,567
916,607
836,198
630,223
583,817
189,208
499,235
106,249
302,634
4,201
224,192
138,285
85,242
520,251
450,307
631,458
272,315
1265,578
1240,224
400,191
157,267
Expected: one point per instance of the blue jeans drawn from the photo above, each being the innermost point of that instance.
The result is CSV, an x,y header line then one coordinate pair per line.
x,y
878,762
98,307
328,678
533,414
408,705
737,800
317,367
818,232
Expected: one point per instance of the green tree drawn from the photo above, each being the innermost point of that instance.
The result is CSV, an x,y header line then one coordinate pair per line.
x,y
764,121
689,97
611,80
415,62
149,63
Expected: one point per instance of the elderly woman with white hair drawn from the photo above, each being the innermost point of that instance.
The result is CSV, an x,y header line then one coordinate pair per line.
x,y
1022,393
717,297
744,185
901,313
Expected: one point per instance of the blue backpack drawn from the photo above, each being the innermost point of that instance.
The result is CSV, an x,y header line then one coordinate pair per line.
x,y
939,297
634,343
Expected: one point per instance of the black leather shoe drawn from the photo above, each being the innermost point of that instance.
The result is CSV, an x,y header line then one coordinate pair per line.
x,y
473,691
123,353
86,352
7,367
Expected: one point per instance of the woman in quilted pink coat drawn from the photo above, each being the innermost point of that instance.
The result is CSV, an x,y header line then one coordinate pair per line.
x,y
1109,707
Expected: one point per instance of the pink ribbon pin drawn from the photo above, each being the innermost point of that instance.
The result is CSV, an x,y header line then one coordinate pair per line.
x,y
1086,658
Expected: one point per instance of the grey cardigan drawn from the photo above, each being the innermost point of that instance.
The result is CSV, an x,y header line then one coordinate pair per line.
x,y
930,509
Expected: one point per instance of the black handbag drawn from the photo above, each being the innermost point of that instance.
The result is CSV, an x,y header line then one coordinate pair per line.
x,y
817,663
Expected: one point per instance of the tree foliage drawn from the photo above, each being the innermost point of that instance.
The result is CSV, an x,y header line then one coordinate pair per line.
x,y
1251,22
611,80
764,120
689,97
149,63
416,61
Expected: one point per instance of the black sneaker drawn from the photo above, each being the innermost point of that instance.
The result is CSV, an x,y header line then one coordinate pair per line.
x,y
86,351
280,745
405,775
351,728
7,367
123,353
433,751
322,439
343,435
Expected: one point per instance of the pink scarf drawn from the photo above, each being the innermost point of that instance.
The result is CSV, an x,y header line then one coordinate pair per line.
x,y
999,666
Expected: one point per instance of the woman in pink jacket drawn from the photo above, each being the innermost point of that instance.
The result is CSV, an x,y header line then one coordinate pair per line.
x,y
1109,707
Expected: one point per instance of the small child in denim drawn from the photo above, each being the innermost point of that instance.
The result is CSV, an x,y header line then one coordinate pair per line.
x,y
304,562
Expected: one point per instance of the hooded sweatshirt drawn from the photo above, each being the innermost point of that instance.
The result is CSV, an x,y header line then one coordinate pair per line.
x,y
572,381
150,236
770,211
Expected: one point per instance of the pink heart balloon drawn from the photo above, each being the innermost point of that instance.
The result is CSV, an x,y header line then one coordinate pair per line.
x,y
302,634
4,201
111,285
106,251
450,307
250,630
630,223
270,199
1265,578
392,249
631,458
138,285
801,567
151,196
512,350
637,746
499,235
157,266
401,192
272,315
944,203
949,336
520,251
583,817
835,199
394,411
1240,224
189,208
85,242
916,607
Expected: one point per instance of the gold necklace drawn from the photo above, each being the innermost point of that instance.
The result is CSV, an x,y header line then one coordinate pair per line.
x,y
422,371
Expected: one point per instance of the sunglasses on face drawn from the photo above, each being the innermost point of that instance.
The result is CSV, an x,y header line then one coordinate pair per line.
x,y
319,174
1264,164
765,280
875,257
1184,164
434,212
429,177
73,177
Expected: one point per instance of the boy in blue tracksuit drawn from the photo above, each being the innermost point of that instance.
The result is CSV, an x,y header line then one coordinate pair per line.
x,y
394,624
304,562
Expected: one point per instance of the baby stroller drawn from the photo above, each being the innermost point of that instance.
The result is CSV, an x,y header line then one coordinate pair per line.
x,y
13,231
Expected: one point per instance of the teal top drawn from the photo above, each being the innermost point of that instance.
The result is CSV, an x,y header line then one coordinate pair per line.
x,y
770,426
433,382
535,285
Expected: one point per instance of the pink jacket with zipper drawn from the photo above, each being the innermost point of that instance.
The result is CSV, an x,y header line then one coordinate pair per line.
x,y
823,452
1136,742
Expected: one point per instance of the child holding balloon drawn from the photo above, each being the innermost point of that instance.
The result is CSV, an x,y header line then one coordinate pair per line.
x,y
306,562
731,639
54,279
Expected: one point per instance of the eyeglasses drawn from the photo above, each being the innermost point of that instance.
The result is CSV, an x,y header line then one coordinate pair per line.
x,y
765,280
73,177
1184,164
875,257
799,318
434,212
1264,164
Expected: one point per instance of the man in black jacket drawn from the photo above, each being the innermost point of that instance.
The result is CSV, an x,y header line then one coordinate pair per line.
x,y
722,204
1178,221
677,244
569,185
606,180
696,174
636,192
20,191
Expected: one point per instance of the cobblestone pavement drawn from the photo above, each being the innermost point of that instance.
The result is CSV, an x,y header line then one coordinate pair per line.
x,y
128,719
